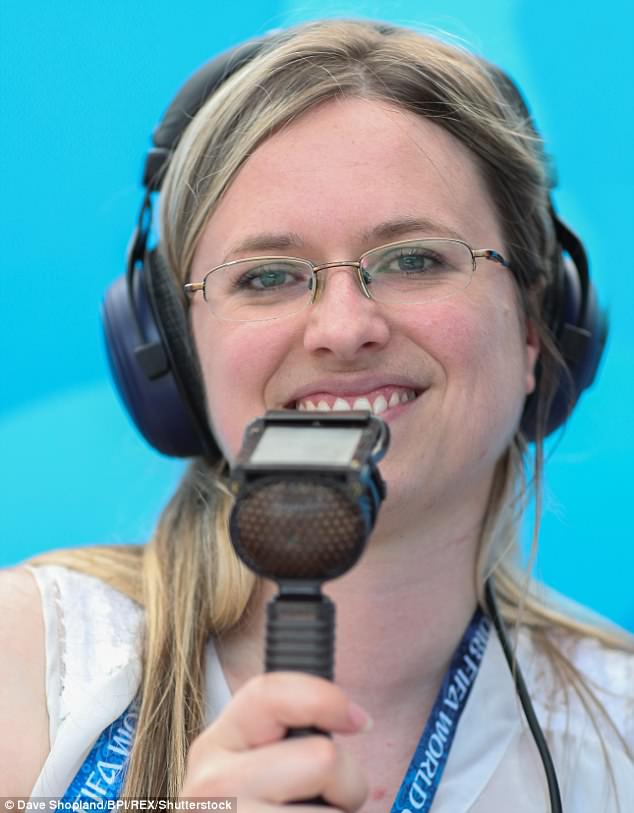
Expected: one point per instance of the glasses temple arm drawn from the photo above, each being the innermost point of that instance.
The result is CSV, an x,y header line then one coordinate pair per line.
x,y
491,254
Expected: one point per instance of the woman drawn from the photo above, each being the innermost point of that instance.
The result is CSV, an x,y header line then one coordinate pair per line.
x,y
345,144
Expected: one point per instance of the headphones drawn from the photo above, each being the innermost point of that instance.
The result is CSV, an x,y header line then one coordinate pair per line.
x,y
151,354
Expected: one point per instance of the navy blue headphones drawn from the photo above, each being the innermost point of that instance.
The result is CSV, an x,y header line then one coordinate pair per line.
x,y
151,354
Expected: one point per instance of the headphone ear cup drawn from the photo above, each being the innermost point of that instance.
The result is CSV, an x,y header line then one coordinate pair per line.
x,y
153,361
580,331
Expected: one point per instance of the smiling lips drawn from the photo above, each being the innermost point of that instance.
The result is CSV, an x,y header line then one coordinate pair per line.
x,y
376,402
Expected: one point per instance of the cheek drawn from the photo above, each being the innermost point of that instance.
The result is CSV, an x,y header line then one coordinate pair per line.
x,y
459,337
238,361
229,408
482,358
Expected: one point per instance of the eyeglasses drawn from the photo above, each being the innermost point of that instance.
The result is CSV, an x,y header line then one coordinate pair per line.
x,y
411,272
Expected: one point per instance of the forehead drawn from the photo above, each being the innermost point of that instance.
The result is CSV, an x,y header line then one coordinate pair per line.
x,y
336,172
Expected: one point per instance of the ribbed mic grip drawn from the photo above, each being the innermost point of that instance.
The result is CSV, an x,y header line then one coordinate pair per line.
x,y
300,636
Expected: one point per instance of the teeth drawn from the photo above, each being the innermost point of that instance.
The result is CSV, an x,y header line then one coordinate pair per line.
x,y
341,405
362,403
379,406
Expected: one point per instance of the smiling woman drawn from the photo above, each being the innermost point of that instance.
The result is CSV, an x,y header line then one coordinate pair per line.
x,y
353,216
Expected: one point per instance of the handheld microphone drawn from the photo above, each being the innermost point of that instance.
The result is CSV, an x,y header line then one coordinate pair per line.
x,y
307,493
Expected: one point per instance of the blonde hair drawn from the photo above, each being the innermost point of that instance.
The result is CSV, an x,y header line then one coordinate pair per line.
x,y
188,577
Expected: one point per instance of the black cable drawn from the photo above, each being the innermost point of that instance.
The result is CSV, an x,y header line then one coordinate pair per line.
x,y
522,691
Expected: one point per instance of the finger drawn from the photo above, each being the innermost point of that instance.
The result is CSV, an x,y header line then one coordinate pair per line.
x,y
292,770
266,707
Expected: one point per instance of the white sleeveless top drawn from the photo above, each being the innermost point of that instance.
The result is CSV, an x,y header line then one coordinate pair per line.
x,y
92,635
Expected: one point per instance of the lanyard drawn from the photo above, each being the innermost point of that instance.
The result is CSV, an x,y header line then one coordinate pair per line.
x,y
424,773
101,776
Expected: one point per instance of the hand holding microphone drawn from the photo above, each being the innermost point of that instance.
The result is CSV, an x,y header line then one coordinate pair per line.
x,y
245,754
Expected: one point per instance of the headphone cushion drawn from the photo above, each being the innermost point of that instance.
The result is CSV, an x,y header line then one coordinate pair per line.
x,y
171,318
580,331
153,362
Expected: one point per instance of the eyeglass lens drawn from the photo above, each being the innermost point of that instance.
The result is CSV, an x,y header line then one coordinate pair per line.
x,y
412,272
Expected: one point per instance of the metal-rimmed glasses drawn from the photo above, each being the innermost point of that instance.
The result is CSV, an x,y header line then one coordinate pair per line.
x,y
410,272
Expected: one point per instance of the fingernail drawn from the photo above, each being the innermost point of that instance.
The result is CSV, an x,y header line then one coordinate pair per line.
x,y
359,718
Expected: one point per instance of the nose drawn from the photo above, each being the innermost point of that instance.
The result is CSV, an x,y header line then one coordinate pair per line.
x,y
343,321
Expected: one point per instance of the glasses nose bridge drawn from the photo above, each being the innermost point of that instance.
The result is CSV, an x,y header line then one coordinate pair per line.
x,y
356,264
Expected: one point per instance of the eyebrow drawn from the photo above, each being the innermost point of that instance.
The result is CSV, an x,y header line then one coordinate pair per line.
x,y
388,230
393,229
266,241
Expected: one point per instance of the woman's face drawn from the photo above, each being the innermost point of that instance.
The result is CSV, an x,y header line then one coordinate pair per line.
x,y
346,177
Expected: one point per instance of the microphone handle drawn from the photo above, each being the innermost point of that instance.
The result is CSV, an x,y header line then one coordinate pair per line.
x,y
300,637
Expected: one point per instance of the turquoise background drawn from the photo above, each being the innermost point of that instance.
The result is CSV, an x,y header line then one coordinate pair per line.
x,y
82,85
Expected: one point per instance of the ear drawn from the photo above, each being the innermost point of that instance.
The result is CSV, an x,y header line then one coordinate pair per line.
x,y
532,349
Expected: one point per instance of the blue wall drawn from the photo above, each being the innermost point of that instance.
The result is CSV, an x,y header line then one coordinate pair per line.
x,y
82,86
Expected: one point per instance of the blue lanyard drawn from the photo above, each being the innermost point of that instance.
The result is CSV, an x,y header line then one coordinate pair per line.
x,y
101,776
425,770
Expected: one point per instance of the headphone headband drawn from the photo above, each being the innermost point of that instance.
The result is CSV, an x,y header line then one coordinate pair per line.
x,y
186,104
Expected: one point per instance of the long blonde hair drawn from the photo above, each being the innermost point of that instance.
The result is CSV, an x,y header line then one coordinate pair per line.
x,y
187,577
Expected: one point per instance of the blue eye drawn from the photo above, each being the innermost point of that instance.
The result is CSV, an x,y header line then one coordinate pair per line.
x,y
407,261
412,263
269,277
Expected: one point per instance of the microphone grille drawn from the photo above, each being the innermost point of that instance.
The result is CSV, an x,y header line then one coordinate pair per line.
x,y
308,528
